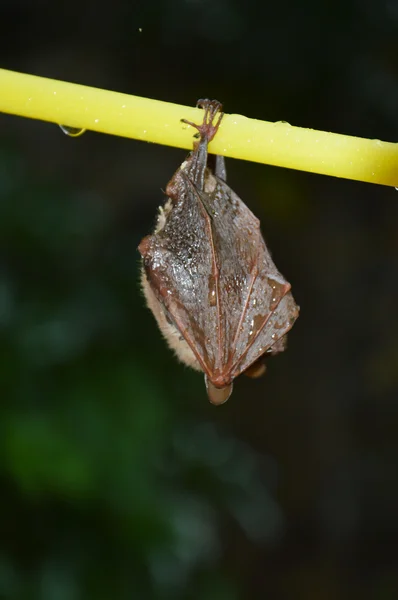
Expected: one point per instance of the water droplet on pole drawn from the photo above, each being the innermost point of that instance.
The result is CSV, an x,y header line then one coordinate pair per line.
x,y
72,131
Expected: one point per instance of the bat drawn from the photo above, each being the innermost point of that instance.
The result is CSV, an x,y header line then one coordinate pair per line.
x,y
207,275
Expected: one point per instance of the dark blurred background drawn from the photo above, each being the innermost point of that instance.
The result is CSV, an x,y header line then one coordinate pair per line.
x,y
118,478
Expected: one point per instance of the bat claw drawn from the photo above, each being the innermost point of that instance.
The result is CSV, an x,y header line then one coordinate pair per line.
x,y
208,128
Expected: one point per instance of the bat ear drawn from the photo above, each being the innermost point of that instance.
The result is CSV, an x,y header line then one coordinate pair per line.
x,y
144,246
217,395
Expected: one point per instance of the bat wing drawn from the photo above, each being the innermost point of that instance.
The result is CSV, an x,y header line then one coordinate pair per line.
x,y
256,308
211,270
179,266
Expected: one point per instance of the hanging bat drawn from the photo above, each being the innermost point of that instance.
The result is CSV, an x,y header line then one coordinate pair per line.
x,y
208,276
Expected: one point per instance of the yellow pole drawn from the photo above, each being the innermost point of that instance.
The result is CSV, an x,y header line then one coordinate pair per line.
x,y
277,144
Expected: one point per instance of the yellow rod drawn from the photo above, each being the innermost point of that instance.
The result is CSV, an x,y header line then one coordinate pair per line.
x,y
277,144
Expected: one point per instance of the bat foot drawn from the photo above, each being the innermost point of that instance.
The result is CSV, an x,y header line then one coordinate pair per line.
x,y
208,129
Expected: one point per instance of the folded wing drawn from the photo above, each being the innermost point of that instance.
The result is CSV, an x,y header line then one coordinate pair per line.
x,y
211,270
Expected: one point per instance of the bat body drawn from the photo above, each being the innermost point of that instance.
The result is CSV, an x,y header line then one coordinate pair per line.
x,y
208,277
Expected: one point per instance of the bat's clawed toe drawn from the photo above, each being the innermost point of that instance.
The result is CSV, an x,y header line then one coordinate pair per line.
x,y
209,127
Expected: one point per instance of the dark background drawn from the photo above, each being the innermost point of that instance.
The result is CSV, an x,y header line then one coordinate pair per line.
x,y
118,478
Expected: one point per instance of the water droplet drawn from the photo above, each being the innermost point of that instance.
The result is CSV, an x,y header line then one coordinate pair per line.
x,y
72,131
140,29
279,290
254,302
251,327
273,336
212,291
